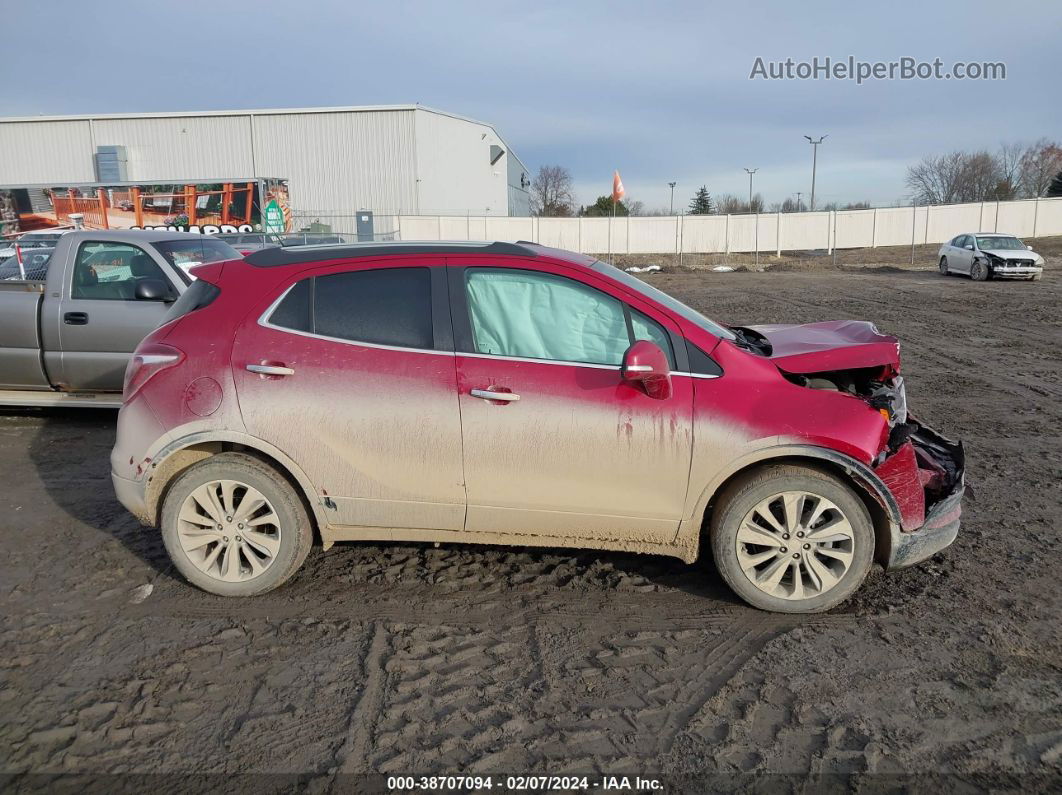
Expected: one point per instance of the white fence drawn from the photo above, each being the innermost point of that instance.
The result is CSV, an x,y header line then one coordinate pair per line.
x,y
766,232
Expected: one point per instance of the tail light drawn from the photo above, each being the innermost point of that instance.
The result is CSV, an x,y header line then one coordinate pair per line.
x,y
149,359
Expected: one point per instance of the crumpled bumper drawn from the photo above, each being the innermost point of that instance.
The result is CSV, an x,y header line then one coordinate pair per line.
x,y
943,509
939,531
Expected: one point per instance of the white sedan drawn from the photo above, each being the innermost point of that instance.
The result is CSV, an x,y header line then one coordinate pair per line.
x,y
986,256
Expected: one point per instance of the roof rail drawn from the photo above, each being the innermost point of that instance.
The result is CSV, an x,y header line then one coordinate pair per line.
x,y
294,255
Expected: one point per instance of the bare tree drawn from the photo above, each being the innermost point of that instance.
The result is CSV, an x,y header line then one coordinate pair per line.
x,y
1008,160
732,205
552,193
1039,165
936,179
635,207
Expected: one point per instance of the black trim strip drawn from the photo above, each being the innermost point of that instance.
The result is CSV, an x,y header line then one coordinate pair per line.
x,y
295,255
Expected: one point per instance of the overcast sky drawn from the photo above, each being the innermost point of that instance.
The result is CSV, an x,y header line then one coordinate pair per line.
x,y
660,91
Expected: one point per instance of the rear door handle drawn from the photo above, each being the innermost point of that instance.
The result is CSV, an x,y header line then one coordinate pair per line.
x,y
76,318
270,369
490,394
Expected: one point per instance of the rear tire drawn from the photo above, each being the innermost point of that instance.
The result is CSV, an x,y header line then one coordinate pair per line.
x,y
944,267
234,526
792,539
979,272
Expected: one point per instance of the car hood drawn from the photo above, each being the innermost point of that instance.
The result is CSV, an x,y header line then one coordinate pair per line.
x,y
831,345
1010,253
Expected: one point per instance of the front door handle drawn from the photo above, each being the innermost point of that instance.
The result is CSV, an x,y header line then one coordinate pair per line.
x,y
490,394
270,369
76,318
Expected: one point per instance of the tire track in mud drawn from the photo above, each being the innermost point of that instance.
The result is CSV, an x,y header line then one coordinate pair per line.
x,y
366,712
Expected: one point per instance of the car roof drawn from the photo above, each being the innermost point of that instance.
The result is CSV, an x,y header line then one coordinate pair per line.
x,y
293,255
133,235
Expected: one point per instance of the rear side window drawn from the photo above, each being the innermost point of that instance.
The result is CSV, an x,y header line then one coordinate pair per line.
x,y
197,296
389,306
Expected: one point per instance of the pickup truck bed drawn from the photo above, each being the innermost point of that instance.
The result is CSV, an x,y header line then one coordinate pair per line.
x,y
67,340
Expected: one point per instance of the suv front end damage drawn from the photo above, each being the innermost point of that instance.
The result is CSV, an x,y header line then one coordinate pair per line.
x,y
922,471
925,473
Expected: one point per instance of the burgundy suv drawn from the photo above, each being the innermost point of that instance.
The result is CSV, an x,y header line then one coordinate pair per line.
x,y
514,394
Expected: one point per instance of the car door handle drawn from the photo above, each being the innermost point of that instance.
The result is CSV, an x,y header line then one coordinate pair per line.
x,y
76,318
490,394
270,369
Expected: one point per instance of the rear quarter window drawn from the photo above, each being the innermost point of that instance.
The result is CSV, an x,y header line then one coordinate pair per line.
x,y
386,306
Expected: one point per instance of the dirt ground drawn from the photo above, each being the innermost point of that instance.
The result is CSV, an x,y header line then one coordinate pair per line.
x,y
412,659
851,259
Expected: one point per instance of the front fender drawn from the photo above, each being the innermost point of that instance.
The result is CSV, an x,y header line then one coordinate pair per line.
x,y
859,474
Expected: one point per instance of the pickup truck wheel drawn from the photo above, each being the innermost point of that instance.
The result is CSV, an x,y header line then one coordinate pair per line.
x,y
1036,277
979,272
235,527
944,267
792,539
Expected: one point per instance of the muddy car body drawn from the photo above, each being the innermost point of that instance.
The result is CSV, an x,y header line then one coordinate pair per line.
x,y
514,394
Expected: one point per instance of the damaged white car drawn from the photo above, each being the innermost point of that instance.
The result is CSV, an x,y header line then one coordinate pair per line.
x,y
984,256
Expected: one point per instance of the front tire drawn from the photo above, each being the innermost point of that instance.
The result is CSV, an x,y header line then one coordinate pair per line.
x,y
792,539
979,272
234,526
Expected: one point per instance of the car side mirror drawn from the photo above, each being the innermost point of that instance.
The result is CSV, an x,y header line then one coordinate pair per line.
x,y
968,247
644,363
1029,247
152,290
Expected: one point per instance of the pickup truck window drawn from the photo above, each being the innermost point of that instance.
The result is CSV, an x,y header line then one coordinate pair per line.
x,y
185,254
110,271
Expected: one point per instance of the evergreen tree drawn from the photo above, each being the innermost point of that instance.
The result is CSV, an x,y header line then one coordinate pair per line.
x,y
701,204
1055,188
602,208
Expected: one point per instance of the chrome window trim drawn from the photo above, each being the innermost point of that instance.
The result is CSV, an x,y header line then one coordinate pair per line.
x,y
616,367
263,321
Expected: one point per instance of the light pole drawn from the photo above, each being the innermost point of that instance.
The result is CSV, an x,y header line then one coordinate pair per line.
x,y
672,184
799,194
814,163
750,172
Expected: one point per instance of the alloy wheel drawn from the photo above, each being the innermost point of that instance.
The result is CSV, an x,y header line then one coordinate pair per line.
x,y
795,545
229,530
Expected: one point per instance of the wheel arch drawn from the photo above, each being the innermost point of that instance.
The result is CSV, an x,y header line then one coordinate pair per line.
x,y
177,456
880,504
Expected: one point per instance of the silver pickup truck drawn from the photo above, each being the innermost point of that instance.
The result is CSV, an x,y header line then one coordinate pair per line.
x,y
65,340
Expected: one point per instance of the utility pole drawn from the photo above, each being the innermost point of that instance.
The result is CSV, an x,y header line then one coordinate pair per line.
x,y
672,184
814,163
799,206
750,172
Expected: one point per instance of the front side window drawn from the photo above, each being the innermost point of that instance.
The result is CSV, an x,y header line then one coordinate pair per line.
x,y
534,315
388,306
110,271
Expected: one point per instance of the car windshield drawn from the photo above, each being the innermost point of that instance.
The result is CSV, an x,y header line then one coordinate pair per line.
x,y
999,244
666,300
186,254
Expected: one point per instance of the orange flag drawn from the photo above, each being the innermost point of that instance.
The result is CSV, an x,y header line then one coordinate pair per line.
x,y
617,187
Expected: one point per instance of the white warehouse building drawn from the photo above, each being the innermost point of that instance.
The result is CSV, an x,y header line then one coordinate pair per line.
x,y
393,160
